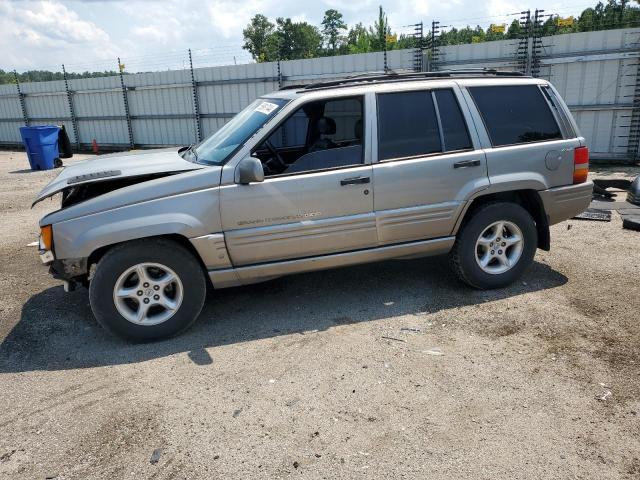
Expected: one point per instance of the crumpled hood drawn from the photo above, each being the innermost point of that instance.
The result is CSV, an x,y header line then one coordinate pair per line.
x,y
117,166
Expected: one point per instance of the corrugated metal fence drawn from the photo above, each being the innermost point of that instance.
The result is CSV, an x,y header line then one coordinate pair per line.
x,y
596,73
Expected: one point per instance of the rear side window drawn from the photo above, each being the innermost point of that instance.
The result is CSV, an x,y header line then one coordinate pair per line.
x,y
407,125
454,128
515,114
554,101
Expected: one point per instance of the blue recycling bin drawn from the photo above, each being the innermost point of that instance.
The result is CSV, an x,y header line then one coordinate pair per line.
x,y
41,144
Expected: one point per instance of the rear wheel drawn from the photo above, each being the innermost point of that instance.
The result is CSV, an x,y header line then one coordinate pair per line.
x,y
147,289
495,246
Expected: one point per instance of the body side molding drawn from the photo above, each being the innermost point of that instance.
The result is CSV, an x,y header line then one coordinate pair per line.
x,y
257,273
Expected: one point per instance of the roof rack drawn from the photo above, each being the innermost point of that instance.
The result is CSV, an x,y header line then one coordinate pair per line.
x,y
375,77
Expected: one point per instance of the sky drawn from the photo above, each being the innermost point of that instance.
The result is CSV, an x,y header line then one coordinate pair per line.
x,y
155,35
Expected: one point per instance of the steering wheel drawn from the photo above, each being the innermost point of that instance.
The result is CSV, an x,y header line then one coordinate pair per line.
x,y
276,160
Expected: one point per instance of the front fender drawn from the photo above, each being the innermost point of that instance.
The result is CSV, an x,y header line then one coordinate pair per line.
x,y
191,214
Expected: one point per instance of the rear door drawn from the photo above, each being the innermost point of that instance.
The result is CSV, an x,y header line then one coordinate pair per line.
x,y
527,141
428,163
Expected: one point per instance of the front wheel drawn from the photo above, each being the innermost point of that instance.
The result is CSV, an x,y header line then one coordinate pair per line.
x,y
495,246
147,289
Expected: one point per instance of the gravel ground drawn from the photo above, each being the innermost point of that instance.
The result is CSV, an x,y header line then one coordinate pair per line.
x,y
392,370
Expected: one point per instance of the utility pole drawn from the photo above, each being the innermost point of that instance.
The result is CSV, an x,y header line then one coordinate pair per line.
x,y
74,120
125,101
279,74
418,35
523,61
536,42
434,46
23,106
196,105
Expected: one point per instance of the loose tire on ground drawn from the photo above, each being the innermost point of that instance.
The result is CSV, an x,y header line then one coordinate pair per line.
x,y
184,294
467,253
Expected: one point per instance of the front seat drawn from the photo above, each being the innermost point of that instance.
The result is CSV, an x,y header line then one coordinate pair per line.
x,y
326,126
358,132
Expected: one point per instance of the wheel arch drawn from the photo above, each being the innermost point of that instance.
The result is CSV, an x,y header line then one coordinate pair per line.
x,y
529,199
96,255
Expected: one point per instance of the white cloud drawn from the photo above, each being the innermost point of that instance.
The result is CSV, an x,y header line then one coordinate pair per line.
x,y
32,33
229,17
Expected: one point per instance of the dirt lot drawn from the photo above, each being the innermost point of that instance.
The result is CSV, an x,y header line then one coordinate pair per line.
x,y
392,370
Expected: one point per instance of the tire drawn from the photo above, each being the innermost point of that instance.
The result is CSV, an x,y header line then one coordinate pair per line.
x,y
506,264
174,293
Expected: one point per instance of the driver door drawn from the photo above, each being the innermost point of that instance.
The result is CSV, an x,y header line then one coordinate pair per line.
x,y
306,213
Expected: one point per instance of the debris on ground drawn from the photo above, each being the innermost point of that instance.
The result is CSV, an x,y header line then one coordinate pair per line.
x,y
595,214
433,351
633,195
6,456
410,329
393,338
155,456
604,396
631,222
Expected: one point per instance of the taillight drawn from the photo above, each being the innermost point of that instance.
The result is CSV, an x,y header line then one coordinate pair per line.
x,y
580,164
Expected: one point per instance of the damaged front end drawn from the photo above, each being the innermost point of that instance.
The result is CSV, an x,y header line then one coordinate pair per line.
x,y
86,191
95,186
71,271
103,174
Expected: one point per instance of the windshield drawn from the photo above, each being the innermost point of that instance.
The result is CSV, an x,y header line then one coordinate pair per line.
x,y
215,149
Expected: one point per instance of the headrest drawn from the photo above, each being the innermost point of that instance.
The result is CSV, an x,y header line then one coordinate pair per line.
x,y
326,126
357,129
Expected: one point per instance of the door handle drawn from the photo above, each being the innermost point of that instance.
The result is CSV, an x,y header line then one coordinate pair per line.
x,y
467,163
355,181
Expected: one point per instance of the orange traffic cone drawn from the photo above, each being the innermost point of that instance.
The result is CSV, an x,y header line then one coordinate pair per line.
x,y
94,146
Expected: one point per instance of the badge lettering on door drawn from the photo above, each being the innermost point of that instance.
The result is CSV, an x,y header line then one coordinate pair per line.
x,y
285,218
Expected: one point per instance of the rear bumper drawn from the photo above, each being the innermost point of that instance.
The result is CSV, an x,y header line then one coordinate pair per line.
x,y
562,203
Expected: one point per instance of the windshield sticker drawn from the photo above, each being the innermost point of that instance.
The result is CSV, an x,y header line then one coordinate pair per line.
x,y
266,107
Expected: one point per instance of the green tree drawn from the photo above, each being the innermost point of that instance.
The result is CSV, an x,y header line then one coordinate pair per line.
x,y
358,40
46,75
379,31
514,30
332,24
256,37
297,39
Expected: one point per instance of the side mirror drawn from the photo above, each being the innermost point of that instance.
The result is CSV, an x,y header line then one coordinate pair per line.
x,y
249,170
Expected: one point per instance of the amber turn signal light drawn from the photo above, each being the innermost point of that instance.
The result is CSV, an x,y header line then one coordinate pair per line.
x,y
46,237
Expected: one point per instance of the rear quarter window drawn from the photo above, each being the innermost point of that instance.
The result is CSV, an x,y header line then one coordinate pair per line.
x,y
515,114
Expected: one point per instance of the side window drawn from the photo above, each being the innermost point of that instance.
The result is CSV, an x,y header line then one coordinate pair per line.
x,y
292,133
515,114
407,125
347,114
554,101
320,135
454,127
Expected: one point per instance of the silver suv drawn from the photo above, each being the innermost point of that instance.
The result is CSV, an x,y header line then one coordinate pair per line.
x,y
475,164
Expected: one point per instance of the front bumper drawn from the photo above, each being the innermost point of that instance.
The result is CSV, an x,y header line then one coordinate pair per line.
x,y
563,203
68,269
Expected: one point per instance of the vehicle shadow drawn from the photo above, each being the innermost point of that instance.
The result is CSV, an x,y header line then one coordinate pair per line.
x,y
57,331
